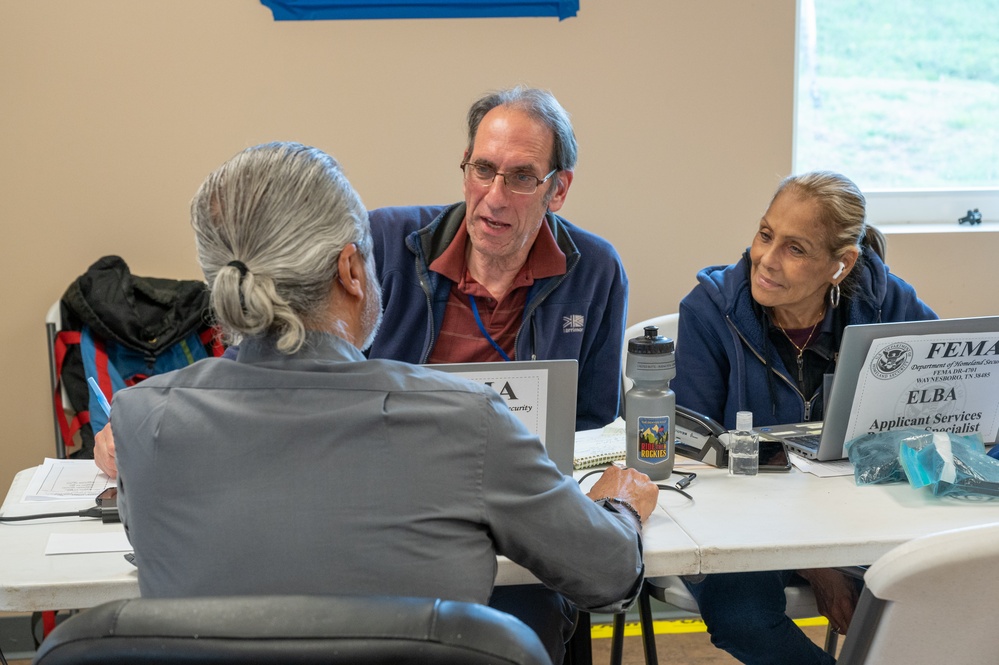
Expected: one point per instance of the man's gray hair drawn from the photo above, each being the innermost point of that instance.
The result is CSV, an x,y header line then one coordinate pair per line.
x,y
281,213
541,106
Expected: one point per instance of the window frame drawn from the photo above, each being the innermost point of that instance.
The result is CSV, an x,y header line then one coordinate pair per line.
x,y
930,206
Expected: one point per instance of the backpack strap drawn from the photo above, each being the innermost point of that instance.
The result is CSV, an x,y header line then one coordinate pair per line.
x,y
68,429
211,339
97,362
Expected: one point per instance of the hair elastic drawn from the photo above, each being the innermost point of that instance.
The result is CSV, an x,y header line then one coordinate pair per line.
x,y
243,270
241,267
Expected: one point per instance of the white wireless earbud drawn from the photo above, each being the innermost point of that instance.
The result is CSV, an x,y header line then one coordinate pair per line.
x,y
842,267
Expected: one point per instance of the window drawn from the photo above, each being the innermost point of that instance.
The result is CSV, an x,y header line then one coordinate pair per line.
x,y
902,96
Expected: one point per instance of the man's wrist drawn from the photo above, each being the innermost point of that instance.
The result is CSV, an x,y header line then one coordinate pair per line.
x,y
624,504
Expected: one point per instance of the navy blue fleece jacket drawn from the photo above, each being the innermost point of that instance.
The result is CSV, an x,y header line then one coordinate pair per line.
x,y
722,359
579,315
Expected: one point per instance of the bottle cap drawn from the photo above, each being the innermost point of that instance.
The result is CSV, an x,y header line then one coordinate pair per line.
x,y
651,344
744,421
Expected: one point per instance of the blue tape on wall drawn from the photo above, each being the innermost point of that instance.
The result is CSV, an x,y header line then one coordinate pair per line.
x,y
319,10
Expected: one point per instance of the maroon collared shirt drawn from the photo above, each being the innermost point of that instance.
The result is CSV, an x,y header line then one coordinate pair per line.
x,y
460,339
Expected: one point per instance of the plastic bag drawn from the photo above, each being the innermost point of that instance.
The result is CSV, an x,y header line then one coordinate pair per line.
x,y
952,465
875,456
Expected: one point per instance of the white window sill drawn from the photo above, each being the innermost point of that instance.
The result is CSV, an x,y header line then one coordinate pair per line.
x,y
949,227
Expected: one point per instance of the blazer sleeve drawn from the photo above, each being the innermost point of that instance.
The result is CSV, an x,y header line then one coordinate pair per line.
x,y
543,521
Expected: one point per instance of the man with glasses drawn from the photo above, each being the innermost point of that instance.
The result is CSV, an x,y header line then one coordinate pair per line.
x,y
500,276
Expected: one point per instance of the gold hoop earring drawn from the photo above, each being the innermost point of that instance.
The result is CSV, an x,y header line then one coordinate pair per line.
x,y
834,296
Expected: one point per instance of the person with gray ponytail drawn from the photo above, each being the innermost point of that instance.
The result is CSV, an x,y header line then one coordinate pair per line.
x,y
301,467
269,255
760,335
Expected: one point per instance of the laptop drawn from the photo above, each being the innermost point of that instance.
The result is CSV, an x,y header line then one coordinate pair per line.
x,y
540,393
907,383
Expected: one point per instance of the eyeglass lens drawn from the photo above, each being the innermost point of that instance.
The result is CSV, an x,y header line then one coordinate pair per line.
x,y
482,174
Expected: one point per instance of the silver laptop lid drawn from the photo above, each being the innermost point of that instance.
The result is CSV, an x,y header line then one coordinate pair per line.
x,y
540,393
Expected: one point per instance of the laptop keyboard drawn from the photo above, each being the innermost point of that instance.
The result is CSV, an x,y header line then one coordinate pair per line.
x,y
805,440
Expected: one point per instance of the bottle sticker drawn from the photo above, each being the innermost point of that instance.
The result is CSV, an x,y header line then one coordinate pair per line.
x,y
653,439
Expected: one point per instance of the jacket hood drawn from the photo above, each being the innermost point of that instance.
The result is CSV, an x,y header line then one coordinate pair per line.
x,y
729,289
147,314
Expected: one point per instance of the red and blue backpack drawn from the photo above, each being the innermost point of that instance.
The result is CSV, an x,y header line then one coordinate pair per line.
x,y
120,329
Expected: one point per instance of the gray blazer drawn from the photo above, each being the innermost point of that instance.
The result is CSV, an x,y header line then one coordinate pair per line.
x,y
323,472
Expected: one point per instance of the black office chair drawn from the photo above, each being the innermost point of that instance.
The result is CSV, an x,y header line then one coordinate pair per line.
x,y
296,630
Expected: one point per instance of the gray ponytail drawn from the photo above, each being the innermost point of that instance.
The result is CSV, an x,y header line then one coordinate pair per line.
x,y
285,211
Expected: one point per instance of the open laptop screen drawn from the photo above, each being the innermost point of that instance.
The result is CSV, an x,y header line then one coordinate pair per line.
x,y
940,375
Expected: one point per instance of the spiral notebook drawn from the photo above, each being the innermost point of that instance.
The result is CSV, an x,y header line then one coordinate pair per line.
x,y
600,446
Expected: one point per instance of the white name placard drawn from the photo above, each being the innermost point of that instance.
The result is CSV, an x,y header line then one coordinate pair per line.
x,y
941,383
524,391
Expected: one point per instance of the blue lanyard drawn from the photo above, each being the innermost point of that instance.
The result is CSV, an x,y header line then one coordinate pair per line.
x,y
485,333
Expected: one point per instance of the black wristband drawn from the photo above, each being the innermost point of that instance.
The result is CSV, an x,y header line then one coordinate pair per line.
x,y
621,502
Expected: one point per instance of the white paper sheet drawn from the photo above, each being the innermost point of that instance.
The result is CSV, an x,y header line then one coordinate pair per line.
x,y
942,383
822,469
66,479
525,394
82,543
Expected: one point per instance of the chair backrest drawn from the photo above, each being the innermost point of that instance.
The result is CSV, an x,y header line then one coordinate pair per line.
x,y
667,324
53,324
306,630
930,600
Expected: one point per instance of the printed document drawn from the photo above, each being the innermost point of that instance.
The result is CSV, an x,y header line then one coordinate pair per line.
x,y
66,479
942,383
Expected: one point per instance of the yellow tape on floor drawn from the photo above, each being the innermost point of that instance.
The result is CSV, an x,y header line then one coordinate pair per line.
x,y
633,628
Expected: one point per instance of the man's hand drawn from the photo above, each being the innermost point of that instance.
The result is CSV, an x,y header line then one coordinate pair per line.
x,y
835,594
628,485
104,452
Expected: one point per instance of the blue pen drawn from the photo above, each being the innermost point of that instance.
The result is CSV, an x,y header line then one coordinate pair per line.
x,y
101,399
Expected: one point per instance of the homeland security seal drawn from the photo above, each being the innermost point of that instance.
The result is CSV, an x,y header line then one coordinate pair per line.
x,y
891,361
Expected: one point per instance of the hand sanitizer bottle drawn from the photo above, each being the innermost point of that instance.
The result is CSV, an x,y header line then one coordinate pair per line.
x,y
743,447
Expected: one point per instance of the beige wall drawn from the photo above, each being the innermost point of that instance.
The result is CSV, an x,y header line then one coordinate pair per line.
x,y
114,110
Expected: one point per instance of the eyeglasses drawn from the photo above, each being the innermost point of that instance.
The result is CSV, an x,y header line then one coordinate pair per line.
x,y
518,183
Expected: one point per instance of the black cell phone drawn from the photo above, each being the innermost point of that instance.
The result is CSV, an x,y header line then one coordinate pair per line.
x,y
773,456
108,498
